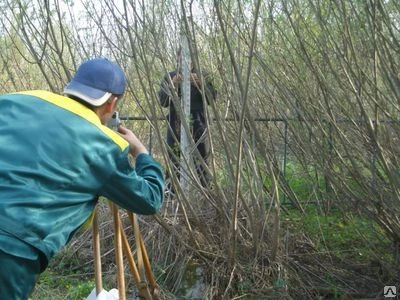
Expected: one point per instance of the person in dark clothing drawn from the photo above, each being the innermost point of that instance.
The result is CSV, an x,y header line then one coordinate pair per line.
x,y
170,86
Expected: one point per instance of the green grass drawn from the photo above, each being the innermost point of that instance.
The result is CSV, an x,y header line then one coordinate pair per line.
x,y
342,233
347,237
52,285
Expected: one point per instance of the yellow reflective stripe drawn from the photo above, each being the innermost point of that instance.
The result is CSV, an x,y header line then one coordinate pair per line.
x,y
80,110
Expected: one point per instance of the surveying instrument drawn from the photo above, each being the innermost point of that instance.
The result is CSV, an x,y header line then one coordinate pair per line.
x,y
142,273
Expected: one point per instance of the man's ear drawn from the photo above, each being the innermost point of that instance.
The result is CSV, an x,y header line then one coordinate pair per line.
x,y
111,104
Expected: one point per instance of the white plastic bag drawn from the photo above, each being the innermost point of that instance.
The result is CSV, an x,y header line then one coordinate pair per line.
x,y
104,295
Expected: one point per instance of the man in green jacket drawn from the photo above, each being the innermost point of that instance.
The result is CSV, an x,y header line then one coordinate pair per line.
x,y
56,157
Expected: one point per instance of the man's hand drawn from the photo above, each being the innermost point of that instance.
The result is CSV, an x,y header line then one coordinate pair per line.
x,y
195,80
176,80
136,146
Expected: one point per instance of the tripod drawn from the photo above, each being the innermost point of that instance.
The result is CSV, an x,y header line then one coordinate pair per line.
x,y
147,289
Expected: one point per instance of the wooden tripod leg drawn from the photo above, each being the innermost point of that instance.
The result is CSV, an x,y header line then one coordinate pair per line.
x,y
144,256
118,253
96,249
140,283
149,272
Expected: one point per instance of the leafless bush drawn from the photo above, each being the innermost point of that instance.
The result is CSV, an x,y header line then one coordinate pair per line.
x,y
322,76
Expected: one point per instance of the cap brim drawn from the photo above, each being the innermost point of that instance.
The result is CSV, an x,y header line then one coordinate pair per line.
x,y
86,93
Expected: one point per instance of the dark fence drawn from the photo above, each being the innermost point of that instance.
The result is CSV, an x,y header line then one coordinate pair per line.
x,y
285,135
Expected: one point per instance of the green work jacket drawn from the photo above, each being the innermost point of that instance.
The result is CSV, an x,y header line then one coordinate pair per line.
x,y
56,158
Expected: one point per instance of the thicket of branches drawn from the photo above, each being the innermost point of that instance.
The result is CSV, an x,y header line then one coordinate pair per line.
x,y
324,73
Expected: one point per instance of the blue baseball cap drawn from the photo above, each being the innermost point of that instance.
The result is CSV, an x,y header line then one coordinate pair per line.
x,y
96,80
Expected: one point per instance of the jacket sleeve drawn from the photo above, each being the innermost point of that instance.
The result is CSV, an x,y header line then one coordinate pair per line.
x,y
165,93
139,189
